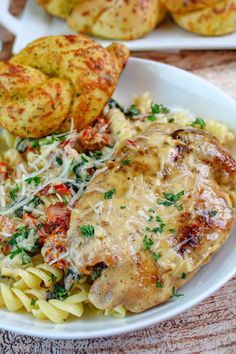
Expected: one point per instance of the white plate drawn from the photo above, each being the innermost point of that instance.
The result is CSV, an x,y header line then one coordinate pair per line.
x,y
172,87
35,23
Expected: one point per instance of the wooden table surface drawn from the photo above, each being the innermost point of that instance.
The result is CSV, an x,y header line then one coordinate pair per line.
x,y
209,327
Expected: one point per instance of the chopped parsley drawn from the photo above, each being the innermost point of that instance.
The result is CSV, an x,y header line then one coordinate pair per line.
x,y
96,154
25,258
152,117
132,111
171,199
59,293
122,207
159,228
87,231
171,120
109,194
125,162
184,275
114,104
36,246
35,144
33,302
212,213
97,271
35,179
151,210
147,243
159,284
35,202
59,161
159,108
13,191
22,232
83,159
175,293
199,123
173,230
155,256
53,277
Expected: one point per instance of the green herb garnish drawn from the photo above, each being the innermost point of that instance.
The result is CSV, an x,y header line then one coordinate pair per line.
x,y
25,258
152,117
184,275
173,230
132,111
212,213
59,161
159,108
114,104
122,207
59,292
87,231
22,232
13,191
156,256
159,228
171,199
35,179
159,284
33,302
53,277
109,194
175,293
125,162
199,122
83,159
147,243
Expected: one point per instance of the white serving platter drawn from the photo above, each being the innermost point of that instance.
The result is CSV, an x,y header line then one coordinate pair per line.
x,y
34,22
174,88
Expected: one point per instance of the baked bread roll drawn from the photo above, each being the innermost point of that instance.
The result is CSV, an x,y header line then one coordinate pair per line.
x,y
115,19
55,79
205,17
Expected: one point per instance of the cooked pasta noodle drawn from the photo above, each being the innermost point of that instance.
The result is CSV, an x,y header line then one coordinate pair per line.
x,y
33,277
121,128
34,301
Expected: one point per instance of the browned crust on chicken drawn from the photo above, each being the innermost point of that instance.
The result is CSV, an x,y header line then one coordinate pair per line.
x,y
170,212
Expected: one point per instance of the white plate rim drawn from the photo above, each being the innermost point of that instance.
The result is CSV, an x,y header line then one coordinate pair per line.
x,y
152,321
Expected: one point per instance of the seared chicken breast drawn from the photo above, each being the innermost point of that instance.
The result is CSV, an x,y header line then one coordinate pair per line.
x,y
153,216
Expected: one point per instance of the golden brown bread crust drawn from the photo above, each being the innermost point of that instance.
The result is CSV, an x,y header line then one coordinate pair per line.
x,y
172,192
115,19
183,6
55,79
205,17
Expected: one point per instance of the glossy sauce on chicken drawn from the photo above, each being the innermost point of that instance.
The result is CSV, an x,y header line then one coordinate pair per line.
x,y
153,216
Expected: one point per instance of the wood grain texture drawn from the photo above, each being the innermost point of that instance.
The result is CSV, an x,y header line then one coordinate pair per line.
x,y
209,327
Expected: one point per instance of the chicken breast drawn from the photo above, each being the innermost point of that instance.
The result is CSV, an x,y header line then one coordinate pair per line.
x,y
153,216
55,79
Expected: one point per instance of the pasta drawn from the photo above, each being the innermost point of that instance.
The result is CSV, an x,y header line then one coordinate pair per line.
x,y
34,301
33,277
43,180
121,128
